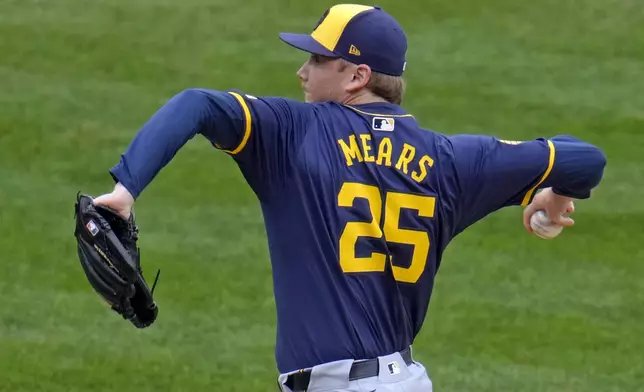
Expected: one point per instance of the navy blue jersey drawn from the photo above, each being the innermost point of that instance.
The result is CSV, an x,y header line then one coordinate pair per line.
x,y
359,204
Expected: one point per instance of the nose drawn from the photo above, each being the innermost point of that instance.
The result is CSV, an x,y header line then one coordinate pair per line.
x,y
302,73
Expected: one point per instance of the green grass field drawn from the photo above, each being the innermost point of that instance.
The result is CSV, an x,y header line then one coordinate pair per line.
x,y
510,312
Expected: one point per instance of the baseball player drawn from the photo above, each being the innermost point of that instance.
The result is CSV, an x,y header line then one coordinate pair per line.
x,y
358,200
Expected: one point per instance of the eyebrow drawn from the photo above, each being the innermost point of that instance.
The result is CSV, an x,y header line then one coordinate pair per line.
x,y
322,58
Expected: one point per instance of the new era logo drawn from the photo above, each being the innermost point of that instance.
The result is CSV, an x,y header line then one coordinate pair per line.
x,y
354,51
383,124
93,229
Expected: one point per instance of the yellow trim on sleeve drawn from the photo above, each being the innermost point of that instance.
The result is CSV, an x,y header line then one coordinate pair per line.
x,y
248,124
551,163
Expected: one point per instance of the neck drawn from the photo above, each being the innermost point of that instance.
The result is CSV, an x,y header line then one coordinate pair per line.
x,y
361,98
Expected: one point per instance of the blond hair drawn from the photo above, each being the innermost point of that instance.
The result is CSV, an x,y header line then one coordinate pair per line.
x,y
390,88
387,87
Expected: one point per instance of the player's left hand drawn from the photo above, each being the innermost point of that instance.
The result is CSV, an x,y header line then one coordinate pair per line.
x,y
557,208
119,200
109,255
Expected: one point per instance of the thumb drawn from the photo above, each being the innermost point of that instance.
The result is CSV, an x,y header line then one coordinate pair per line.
x,y
104,200
114,202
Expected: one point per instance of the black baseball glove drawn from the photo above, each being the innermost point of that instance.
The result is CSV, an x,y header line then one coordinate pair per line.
x,y
108,252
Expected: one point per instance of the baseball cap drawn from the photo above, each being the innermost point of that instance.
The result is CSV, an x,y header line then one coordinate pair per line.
x,y
359,34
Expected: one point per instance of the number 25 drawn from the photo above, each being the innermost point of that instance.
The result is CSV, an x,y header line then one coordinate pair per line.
x,y
425,205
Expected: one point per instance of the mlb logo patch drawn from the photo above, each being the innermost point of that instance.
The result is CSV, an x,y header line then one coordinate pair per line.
x,y
93,229
394,368
383,124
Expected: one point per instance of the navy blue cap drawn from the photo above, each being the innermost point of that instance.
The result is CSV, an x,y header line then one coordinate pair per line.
x,y
359,34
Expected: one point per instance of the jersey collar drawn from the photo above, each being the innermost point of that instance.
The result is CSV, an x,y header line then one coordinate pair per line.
x,y
383,109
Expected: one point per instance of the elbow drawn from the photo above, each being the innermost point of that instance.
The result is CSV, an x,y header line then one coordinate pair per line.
x,y
597,164
594,163
192,95
580,170
186,101
600,159
200,98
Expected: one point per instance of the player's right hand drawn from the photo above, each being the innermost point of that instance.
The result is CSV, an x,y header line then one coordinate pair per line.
x,y
556,207
120,200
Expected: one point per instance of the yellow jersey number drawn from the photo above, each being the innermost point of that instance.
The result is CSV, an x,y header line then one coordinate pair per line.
x,y
394,202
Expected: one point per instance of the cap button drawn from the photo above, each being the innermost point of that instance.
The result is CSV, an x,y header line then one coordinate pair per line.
x,y
377,7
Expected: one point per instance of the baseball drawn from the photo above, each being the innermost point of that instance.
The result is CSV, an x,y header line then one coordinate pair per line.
x,y
543,226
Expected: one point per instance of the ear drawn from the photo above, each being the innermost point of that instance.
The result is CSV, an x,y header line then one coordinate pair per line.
x,y
360,78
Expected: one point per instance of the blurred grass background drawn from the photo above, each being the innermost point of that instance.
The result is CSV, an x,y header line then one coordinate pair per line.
x,y
510,312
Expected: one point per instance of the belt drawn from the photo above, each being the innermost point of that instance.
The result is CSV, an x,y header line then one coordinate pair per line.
x,y
360,369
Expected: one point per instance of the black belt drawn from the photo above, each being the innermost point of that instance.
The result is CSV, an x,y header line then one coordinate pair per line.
x,y
360,369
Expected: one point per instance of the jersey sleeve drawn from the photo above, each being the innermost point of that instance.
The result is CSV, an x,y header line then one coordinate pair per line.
x,y
271,132
262,135
493,173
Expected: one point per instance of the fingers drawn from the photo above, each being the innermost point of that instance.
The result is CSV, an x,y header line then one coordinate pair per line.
x,y
555,216
559,217
563,221
556,207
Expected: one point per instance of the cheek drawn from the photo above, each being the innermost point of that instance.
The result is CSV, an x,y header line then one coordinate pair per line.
x,y
315,76
324,84
325,79
315,82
